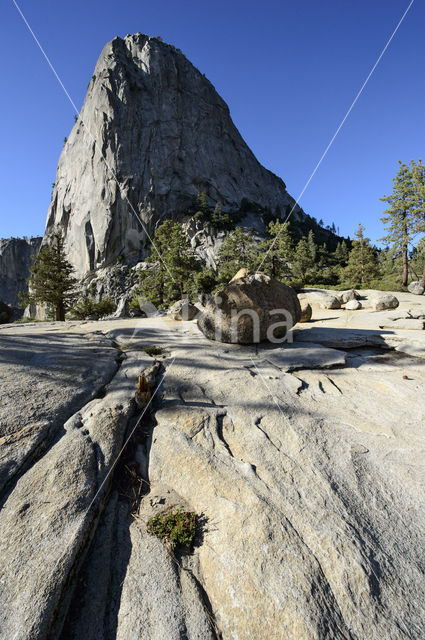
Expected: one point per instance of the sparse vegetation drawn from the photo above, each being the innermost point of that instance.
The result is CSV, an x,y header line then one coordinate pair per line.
x,y
87,306
154,351
175,527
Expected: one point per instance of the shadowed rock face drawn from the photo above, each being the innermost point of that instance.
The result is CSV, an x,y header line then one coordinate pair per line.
x,y
155,122
15,262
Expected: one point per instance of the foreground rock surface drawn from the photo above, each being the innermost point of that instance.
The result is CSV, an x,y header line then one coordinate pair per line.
x,y
252,308
307,485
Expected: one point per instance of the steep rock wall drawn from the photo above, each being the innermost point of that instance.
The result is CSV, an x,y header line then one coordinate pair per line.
x,y
15,262
152,133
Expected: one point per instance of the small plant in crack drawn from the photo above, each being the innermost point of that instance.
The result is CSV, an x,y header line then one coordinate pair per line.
x,y
175,527
154,351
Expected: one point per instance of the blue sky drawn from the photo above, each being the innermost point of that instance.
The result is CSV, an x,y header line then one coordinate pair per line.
x,y
288,71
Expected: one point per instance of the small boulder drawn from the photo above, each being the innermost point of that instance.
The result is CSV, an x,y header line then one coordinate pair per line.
x,y
328,301
183,310
306,311
252,308
6,313
353,305
416,288
383,302
347,296
321,299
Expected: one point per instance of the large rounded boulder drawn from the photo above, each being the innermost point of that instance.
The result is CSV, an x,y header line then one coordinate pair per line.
x,y
252,308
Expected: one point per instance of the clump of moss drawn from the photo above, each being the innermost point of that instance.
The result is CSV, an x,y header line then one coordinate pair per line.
x,y
175,527
154,351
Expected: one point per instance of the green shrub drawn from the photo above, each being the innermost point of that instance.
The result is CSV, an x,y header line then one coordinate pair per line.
x,y
88,307
154,351
176,527
105,307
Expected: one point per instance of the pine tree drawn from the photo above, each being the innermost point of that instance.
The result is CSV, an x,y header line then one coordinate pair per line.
x,y
305,257
303,262
341,254
178,256
418,174
217,215
172,264
278,250
362,264
51,279
203,208
399,218
238,250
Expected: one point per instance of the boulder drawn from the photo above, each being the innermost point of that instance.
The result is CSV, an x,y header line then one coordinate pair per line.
x,y
383,302
328,301
306,311
346,296
416,288
250,309
321,299
6,313
353,305
183,310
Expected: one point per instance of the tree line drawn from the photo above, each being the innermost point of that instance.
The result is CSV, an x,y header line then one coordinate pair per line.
x,y
173,269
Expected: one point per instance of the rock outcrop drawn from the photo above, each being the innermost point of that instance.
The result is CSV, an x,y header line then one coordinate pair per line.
x,y
15,261
252,308
152,133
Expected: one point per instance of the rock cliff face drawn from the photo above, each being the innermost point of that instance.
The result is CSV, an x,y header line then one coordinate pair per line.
x,y
15,261
152,133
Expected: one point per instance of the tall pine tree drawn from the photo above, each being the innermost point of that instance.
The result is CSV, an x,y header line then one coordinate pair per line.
x,y
278,250
51,279
399,217
304,260
362,264
172,264
418,175
238,250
